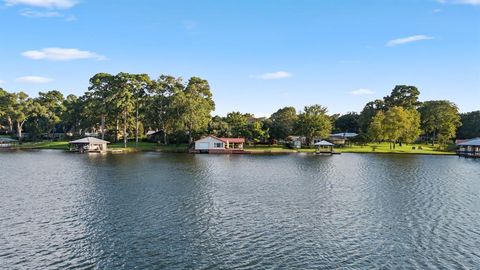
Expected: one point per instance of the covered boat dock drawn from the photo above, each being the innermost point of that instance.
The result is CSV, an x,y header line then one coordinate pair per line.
x,y
469,148
88,144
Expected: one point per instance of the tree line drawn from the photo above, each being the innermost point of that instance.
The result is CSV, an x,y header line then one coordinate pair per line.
x,y
125,106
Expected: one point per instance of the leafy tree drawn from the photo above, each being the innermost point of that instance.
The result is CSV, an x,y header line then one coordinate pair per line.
x,y
349,122
6,108
99,97
72,115
238,124
470,125
369,111
22,108
195,105
123,99
219,127
258,132
404,96
51,114
440,119
314,122
396,125
283,122
160,111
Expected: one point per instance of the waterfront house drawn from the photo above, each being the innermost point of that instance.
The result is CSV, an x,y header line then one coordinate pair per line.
x,y
469,148
212,144
296,142
7,142
88,144
341,138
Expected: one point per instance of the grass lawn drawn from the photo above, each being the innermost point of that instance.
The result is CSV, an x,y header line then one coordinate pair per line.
x,y
369,148
142,146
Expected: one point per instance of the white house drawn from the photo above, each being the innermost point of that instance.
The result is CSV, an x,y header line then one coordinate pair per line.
x,y
215,144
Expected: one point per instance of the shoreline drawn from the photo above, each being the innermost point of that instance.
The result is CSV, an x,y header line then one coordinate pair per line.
x,y
247,151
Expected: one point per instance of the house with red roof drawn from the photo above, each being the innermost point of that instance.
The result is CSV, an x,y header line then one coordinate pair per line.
x,y
212,144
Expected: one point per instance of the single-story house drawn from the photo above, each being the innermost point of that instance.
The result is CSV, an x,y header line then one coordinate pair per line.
x,y
469,148
212,144
341,138
88,144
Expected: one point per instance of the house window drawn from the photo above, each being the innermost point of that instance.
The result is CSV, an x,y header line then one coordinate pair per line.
x,y
218,145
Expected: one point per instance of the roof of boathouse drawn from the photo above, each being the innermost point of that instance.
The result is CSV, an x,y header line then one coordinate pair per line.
x,y
472,142
7,140
89,140
323,143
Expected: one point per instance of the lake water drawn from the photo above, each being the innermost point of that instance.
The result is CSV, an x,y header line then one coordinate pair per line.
x,y
61,210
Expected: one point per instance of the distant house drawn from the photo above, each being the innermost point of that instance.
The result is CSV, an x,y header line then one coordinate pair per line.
x,y
212,144
88,144
296,142
341,138
469,148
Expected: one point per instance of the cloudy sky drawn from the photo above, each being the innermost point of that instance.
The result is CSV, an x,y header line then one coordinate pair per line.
x,y
257,55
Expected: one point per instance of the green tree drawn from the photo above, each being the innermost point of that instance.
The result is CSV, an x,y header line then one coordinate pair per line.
x,y
440,120
258,131
52,101
99,98
283,123
470,125
369,111
349,122
160,111
22,108
238,123
396,125
404,96
314,122
219,127
194,106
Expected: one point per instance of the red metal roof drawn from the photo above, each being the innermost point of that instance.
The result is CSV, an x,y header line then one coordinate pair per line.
x,y
232,140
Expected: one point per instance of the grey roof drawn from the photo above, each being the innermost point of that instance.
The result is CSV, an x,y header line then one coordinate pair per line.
x,y
472,142
344,135
89,140
7,140
324,143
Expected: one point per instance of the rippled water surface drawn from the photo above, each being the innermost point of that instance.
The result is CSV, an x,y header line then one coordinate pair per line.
x,y
150,211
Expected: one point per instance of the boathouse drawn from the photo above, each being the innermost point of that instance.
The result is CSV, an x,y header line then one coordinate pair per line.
x,y
88,144
324,147
469,148
215,145
7,142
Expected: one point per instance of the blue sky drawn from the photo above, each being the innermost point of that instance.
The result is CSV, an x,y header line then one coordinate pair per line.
x,y
258,55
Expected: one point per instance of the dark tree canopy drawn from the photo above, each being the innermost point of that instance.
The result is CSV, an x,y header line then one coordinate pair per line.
x,y
470,125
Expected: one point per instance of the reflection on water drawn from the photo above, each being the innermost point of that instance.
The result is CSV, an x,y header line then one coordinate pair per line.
x,y
61,210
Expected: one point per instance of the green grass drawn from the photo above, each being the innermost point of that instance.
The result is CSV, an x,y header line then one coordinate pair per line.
x,y
405,149
369,148
148,146
142,146
63,145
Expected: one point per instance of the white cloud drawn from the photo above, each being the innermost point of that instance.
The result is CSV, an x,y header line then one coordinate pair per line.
x,y
400,41
361,92
464,2
60,4
61,54
34,79
46,14
274,75
2,81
